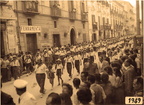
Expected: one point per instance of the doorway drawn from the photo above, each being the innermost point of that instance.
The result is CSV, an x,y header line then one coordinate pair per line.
x,y
31,43
56,40
2,44
94,37
84,37
104,35
72,37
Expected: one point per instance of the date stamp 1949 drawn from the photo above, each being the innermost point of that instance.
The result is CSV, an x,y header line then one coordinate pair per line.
x,y
134,100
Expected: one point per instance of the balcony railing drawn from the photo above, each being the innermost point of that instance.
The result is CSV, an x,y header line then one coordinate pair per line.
x,y
72,15
84,17
94,25
55,12
107,26
30,7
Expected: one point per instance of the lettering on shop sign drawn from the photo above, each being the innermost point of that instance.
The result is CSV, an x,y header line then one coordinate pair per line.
x,y
30,29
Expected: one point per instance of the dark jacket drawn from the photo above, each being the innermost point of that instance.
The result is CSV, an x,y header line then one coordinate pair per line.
x,y
66,100
6,99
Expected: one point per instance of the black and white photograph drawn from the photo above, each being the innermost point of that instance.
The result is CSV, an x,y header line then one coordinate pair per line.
x,y
71,52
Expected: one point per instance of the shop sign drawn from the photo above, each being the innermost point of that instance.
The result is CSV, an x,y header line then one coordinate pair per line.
x,y
30,29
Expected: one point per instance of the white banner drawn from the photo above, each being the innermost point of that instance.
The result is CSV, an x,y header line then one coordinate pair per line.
x,y
30,29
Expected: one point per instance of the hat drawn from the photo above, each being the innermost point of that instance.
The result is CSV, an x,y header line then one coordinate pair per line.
x,y
14,56
19,83
58,60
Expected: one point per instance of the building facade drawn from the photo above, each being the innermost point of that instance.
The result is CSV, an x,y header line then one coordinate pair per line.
x,y
99,20
51,23
8,35
130,18
117,18
36,24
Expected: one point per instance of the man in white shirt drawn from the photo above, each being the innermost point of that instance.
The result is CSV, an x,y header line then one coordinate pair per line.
x,y
15,67
41,70
25,98
77,62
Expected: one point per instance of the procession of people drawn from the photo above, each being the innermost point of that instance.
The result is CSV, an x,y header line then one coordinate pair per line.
x,y
109,73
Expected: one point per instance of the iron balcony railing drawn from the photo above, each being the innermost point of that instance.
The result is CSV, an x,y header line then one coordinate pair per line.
x,y
55,12
94,25
30,7
72,14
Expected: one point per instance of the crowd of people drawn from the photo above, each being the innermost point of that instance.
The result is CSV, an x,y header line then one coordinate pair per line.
x,y
110,72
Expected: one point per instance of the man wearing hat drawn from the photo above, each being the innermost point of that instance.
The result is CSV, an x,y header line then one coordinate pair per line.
x,y
69,64
59,70
15,67
25,98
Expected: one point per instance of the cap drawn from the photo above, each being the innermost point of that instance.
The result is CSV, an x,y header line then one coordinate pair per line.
x,y
19,83
58,60
14,56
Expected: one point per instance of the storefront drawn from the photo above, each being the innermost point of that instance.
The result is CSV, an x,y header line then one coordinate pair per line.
x,y
29,38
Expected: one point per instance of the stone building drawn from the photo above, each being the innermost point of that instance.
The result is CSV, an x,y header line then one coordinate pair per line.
x,y
130,25
117,18
51,23
29,25
8,35
99,20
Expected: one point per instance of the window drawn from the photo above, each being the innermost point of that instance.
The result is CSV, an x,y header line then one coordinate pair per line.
x,y
83,8
103,20
55,24
71,5
29,20
83,26
93,18
107,21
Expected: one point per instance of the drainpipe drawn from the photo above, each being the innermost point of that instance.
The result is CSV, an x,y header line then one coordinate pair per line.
x,y
18,26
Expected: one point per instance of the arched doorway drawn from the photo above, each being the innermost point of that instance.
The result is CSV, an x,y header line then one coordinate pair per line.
x,y
72,36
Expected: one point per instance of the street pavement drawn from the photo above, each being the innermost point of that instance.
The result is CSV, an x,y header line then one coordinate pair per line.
x,y
33,87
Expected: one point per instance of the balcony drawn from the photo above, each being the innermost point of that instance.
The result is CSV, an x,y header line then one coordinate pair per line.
x,y
72,15
94,25
107,26
55,12
30,7
84,17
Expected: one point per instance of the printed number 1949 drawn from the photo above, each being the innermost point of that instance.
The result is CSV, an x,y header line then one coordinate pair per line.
x,y
133,100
